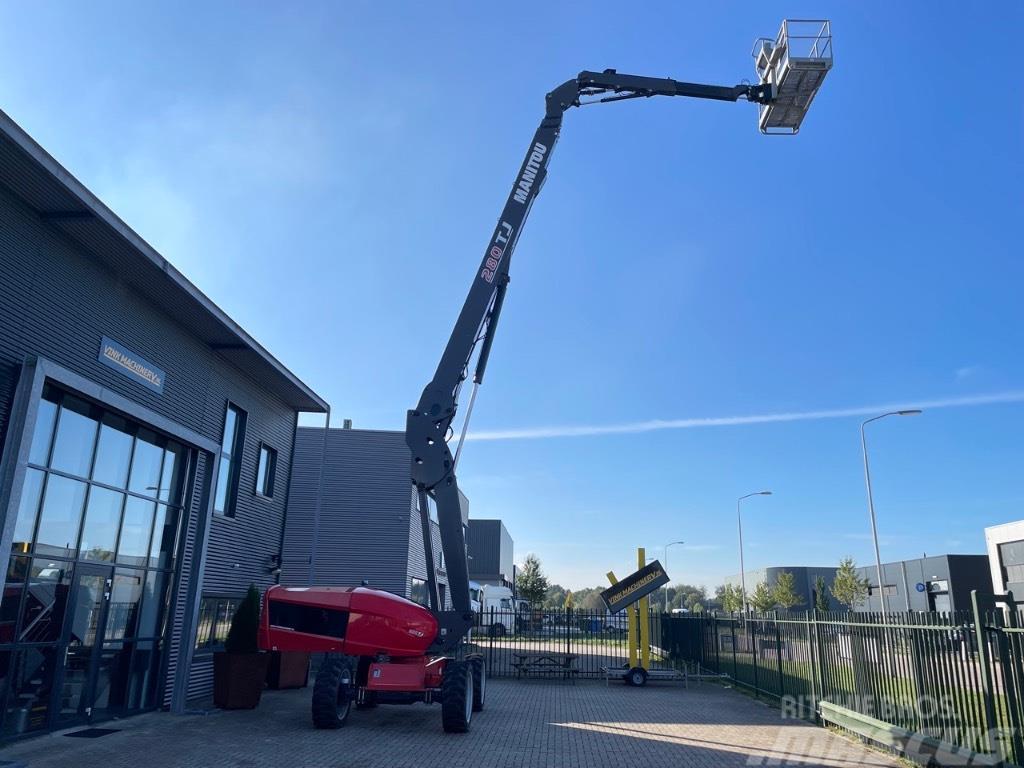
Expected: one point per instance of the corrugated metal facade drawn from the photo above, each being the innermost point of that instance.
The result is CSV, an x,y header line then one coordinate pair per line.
x,y
57,299
364,524
490,549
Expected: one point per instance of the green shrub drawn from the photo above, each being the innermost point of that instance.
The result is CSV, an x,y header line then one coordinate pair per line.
x,y
242,637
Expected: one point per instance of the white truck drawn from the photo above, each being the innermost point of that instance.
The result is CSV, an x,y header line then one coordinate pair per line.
x,y
499,610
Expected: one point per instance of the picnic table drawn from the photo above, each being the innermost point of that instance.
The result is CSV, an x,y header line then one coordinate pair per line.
x,y
547,662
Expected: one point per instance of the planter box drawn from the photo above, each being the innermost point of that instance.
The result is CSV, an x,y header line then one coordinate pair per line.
x,y
288,669
238,679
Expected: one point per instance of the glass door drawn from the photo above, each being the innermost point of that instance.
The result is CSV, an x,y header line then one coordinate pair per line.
x,y
81,641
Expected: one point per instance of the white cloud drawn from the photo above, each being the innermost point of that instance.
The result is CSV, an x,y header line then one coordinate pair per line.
x,y
653,425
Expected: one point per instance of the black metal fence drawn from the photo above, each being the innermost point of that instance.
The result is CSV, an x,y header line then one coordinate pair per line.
x,y
944,681
560,643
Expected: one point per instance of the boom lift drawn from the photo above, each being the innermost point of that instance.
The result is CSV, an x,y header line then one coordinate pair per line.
x,y
383,648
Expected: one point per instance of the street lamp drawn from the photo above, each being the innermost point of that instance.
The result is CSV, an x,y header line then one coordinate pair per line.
x,y
739,525
665,566
871,501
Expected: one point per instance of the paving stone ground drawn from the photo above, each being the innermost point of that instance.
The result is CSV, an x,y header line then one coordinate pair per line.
x,y
526,723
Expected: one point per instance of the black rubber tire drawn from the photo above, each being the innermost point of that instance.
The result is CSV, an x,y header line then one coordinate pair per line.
x,y
496,630
479,669
332,692
457,697
637,677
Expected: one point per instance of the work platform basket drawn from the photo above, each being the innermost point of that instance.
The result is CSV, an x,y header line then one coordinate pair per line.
x,y
794,64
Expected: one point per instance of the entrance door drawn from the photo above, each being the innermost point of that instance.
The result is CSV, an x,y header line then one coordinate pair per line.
x,y
81,640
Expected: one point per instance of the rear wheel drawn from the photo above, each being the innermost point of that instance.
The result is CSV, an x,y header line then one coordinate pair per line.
x,y
497,630
479,669
457,696
637,676
332,693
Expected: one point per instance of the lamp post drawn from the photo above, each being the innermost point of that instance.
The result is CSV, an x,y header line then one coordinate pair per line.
x,y
739,526
665,566
871,501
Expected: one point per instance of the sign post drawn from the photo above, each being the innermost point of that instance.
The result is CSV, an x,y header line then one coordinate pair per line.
x,y
631,594
644,609
630,624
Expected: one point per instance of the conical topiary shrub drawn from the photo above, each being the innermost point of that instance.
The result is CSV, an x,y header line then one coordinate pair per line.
x,y
245,624
239,671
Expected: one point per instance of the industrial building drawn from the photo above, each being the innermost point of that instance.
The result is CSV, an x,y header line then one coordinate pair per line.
x,y
940,583
353,516
491,556
1005,544
145,466
804,582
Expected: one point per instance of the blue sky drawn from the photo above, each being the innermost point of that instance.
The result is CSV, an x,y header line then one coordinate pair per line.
x,y
330,175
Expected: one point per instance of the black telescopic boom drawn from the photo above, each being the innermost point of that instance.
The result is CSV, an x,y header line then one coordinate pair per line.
x,y
427,425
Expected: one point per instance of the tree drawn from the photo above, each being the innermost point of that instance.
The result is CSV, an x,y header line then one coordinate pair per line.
x,y
531,581
847,587
763,598
821,601
785,593
730,597
591,602
687,596
555,596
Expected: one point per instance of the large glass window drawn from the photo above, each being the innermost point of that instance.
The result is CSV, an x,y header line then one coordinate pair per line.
x,y
101,494
133,546
230,458
154,599
418,591
99,487
125,601
25,525
60,516
102,518
146,463
42,435
113,451
265,471
215,615
76,437
46,596
10,603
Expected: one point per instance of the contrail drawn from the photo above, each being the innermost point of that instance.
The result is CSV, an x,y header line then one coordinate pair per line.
x,y
653,425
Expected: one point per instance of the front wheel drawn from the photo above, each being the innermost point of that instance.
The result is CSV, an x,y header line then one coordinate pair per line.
x,y
457,696
497,630
332,693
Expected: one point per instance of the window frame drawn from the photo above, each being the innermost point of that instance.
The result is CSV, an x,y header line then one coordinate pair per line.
x,y
414,581
267,492
234,459
212,644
